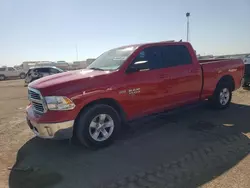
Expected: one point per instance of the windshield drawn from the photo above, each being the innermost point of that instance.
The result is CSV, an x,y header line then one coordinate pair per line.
x,y
60,70
112,59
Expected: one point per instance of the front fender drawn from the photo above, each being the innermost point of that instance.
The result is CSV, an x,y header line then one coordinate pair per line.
x,y
88,97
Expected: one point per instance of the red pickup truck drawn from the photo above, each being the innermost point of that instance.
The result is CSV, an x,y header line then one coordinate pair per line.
x,y
126,83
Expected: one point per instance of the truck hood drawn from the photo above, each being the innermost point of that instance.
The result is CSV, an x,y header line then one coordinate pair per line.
x,y
50,84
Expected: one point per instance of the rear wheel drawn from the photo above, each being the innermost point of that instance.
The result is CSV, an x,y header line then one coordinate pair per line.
x,y
22,75
222,96
2,77
97,126
245,85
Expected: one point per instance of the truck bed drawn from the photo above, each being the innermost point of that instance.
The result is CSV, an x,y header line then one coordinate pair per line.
x,y
204,61
214,69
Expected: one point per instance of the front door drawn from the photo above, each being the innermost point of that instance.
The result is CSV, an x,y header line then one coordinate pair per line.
x,y
143,89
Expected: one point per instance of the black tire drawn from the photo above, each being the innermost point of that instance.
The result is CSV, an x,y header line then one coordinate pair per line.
x,y
33,79
22,75
2,77
216,101
82,127
245,85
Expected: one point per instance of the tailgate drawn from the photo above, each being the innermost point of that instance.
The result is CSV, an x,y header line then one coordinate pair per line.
x,y
247,69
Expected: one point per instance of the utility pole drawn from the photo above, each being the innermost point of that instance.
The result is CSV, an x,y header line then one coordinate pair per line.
x,y
188,15
76,53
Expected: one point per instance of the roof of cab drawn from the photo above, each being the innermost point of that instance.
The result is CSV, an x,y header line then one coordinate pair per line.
x,y
152,43
39,67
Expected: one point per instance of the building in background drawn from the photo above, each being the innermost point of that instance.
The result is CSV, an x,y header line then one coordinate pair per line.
x,y
60,64
79,65
89,61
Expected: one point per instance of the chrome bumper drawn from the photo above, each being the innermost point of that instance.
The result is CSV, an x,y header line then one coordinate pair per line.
x,y
57,131
242,82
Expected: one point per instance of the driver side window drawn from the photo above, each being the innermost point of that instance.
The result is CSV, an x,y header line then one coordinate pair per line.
x,y
53,71
148,59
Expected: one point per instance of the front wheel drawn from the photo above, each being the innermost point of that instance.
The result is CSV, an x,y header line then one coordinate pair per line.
x,y
245,85
222,96
2,77
97,126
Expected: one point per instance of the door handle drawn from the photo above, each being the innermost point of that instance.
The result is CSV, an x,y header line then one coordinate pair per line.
x,y
164,76
193,70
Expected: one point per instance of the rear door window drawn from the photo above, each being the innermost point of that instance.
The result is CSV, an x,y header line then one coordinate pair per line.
x,y
43,70
2,69
175,55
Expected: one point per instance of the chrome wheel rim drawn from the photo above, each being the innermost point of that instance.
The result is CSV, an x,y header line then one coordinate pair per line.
x,y
1,77
101,127
224,96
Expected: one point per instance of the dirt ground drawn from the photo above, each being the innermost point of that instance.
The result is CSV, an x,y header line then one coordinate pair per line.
x,y
190,147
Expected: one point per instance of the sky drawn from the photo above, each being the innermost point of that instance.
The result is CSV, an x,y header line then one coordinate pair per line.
x,y
52,30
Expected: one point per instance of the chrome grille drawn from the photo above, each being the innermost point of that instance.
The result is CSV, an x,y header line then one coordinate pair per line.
x,y
34,95
38,106
36,100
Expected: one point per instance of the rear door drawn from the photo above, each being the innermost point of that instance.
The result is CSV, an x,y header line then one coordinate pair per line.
x,y
142,90
182,77
11,72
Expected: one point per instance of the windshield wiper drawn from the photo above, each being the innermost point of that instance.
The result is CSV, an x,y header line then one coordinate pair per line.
x,y
95,68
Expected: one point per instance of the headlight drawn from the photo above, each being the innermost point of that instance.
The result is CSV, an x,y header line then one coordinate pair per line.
x,y
59,103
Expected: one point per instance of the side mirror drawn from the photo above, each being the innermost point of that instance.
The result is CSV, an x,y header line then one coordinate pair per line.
x,y
132,69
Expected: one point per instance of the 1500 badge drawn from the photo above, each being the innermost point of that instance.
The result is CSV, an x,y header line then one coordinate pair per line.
x,y
130,91
134,91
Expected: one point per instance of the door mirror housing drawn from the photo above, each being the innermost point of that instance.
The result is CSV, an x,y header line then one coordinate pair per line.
x,y
138,66
132,69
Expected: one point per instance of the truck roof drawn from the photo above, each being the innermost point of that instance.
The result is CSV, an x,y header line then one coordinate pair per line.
x,y
152,43
38,67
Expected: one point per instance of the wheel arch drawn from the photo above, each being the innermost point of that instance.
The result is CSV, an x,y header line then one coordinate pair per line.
x,y
108,101
227,79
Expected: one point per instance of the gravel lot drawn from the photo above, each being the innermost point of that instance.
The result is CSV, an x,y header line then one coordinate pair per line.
x,y
189,147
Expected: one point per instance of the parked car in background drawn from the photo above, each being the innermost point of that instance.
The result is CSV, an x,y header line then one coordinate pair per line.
x,y
247,71
127,83
39,72
246,59
10,72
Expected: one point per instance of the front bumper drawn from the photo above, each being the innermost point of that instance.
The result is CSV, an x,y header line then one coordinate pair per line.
x,y
57,131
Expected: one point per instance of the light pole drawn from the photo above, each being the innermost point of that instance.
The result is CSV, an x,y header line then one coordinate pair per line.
x,y
76,53
188,15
